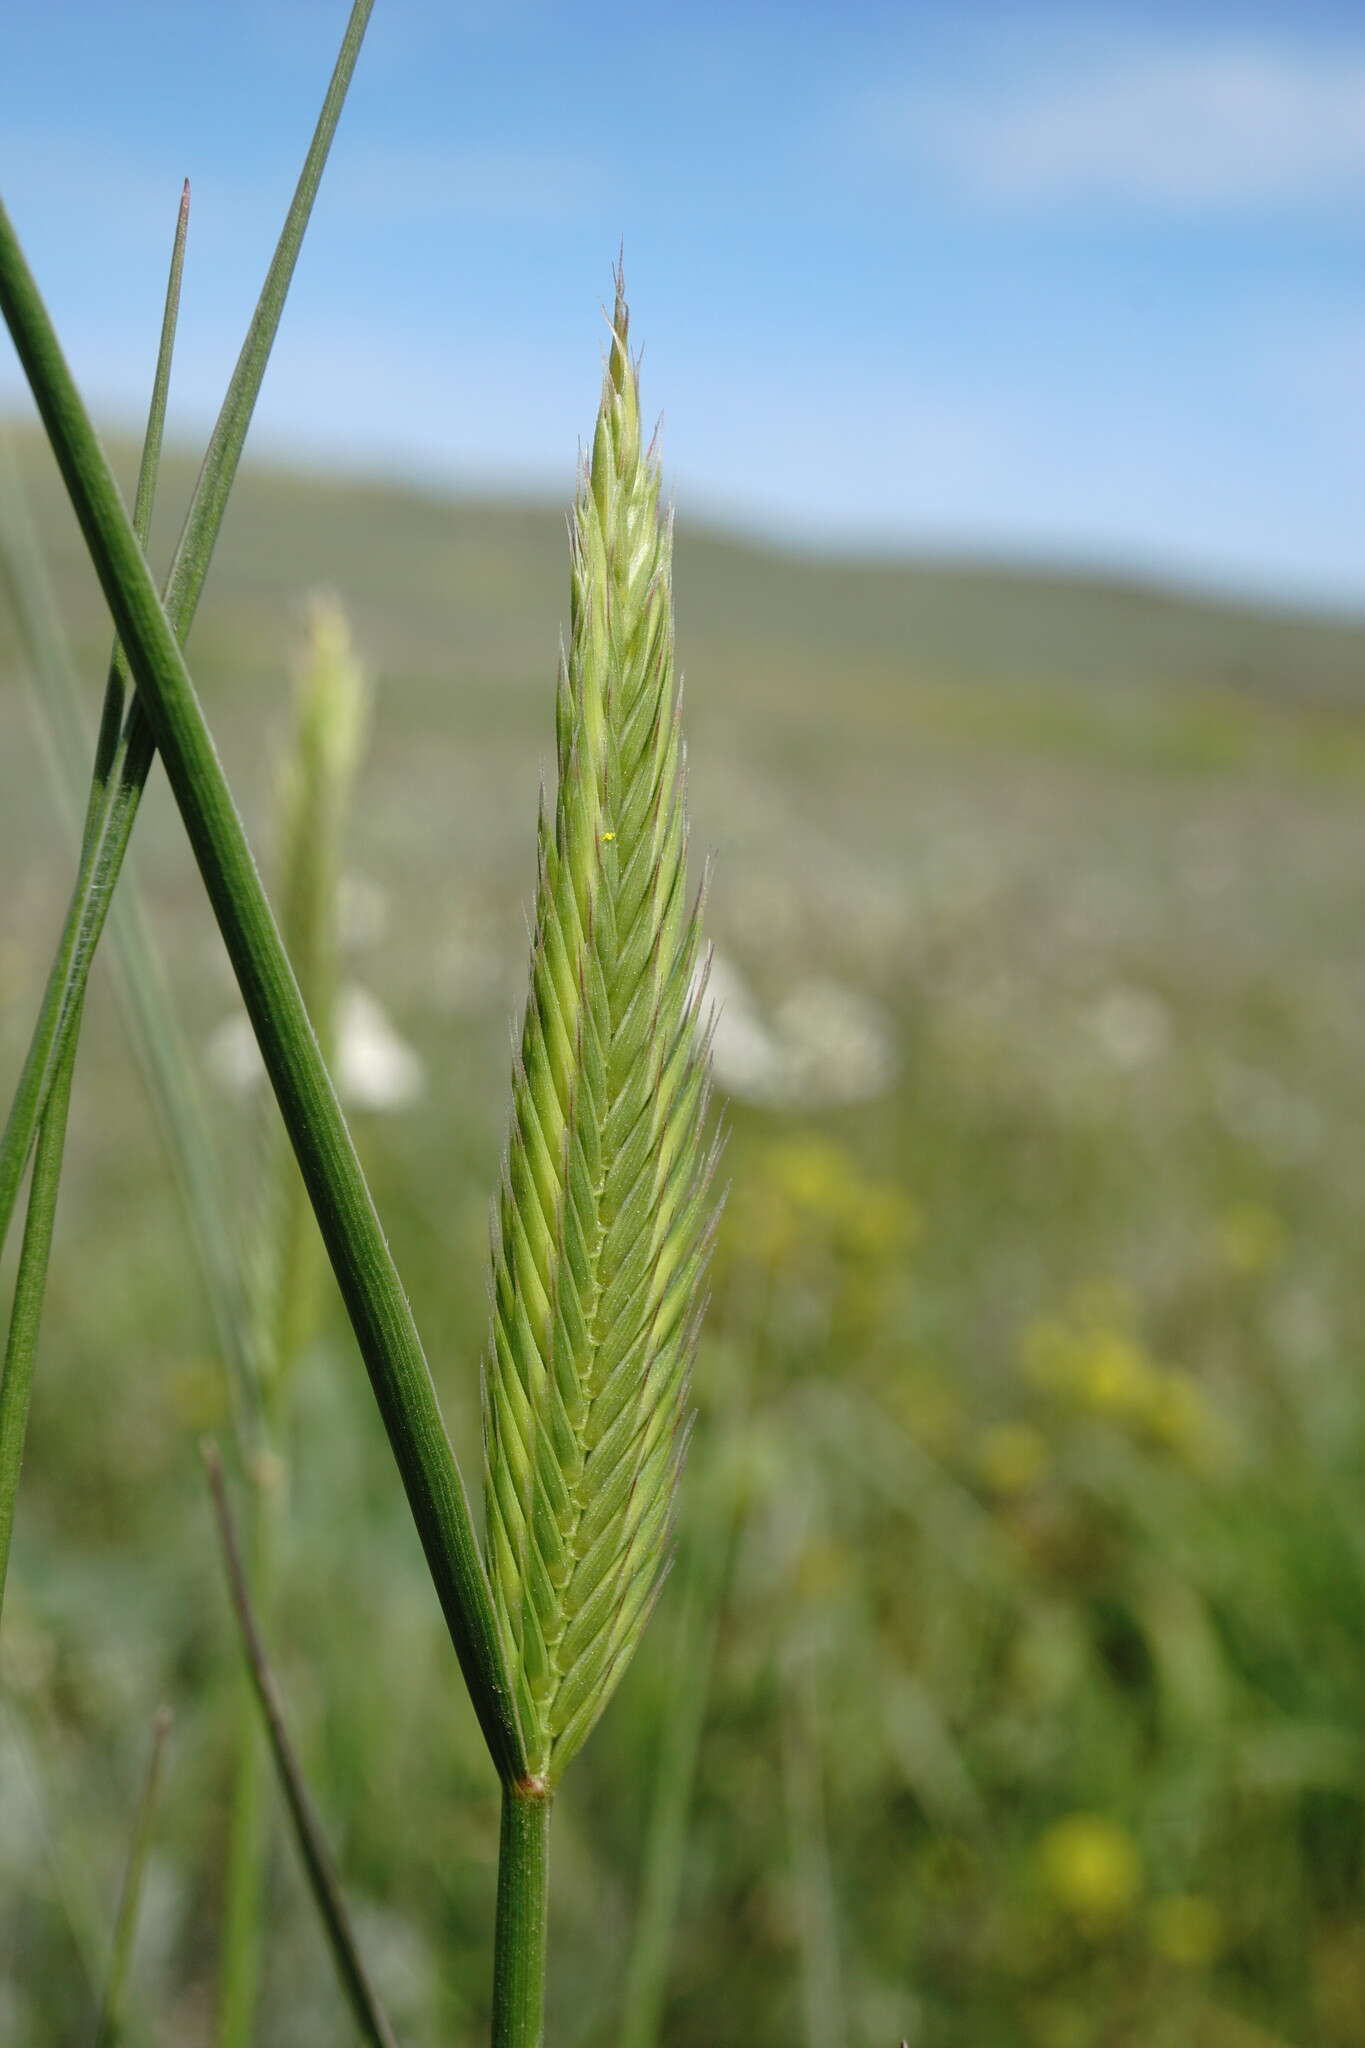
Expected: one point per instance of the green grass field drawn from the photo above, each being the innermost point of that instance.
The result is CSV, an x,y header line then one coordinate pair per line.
x,y
1022,1543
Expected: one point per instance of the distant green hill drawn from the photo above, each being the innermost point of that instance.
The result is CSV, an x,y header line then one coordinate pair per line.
x,y
452,585
860,693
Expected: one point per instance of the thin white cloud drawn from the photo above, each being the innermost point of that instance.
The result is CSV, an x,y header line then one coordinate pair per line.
x,y
1211,128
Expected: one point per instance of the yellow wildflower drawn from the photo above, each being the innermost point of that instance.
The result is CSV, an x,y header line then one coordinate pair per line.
x,y
1089,1866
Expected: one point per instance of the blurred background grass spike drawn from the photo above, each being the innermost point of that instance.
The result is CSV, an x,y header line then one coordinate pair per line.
x,y
281,1253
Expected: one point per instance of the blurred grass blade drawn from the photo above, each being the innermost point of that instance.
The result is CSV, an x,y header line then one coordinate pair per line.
x,y
42,1057
135,751
675,1775
26,1314
239,1971
283,1262
715,1525
321,1872
675,1778
65,1849
38,625
110,2030
21,567
149,1016
360,1256
817,1928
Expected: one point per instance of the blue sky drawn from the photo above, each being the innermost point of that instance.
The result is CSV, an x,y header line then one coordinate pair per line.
x,y
1070,282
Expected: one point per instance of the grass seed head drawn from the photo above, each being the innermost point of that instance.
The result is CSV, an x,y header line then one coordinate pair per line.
x,y
605,1209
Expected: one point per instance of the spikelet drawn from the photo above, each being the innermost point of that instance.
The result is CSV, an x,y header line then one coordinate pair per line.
x,y
605,1216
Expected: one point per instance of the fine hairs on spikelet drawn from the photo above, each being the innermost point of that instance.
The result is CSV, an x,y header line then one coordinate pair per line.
x,y
604,1215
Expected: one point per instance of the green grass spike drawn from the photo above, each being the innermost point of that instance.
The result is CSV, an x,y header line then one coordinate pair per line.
x,y
605,1212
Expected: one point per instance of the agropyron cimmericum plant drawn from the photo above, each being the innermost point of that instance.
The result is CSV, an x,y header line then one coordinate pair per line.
x,y
604,1216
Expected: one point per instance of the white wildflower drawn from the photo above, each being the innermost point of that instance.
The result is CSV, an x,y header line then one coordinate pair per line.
x,y
375,1068
1132,1025
836,1042
826,1043
746,1058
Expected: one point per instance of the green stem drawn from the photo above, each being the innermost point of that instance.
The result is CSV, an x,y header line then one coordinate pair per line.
x,y
356,1245
519,1942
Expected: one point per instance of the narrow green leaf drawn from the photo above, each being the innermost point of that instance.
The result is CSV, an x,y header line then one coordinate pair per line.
x,y
148,476
157,1034
123,763
21,568
355,1242
16,1383
136,749
153,1028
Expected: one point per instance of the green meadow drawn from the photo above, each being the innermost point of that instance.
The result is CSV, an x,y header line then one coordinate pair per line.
x,y
1008,1690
